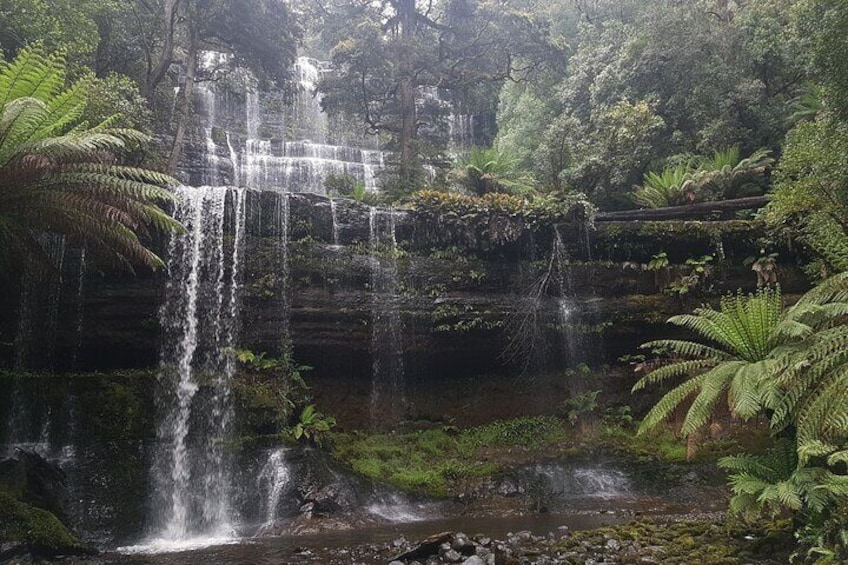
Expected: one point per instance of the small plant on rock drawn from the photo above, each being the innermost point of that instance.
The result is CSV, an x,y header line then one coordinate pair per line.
x,y
313,426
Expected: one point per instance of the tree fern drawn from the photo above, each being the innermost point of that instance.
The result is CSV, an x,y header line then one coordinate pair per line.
x,y
60,175
731,362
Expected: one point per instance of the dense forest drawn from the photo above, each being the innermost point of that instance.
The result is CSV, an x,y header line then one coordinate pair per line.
x,y
404,194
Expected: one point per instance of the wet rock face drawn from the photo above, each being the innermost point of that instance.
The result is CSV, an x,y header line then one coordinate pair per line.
x,y
460,309
30,478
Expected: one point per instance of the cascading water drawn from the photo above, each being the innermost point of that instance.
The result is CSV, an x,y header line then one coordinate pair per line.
x,y
282,215
200,317
39,314
298,154
213,163
334,214
387,380
273,479
567,317
593,482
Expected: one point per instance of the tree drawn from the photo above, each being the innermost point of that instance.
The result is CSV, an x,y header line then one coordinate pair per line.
x,y
724,174
259,35
710,75
791,367
488,170
811,185
730,361
60,175
393,57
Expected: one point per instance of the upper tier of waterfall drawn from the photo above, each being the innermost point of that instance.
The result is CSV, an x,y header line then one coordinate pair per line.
x,y
266,142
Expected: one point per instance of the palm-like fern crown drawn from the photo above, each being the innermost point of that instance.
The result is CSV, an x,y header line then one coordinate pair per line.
x,y
60,175
792,363
731,360
691,180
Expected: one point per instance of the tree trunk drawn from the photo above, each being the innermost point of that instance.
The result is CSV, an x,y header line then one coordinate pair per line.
x,y
688,211
408,110
184,103
407,131
166,57
694,442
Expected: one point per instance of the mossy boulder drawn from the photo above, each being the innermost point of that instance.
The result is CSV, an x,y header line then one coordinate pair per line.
x,y
26,529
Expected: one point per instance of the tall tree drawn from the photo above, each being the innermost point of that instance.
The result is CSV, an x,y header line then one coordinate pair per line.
x,y
392,57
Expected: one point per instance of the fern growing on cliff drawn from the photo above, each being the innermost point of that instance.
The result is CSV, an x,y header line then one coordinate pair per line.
x,y
61,175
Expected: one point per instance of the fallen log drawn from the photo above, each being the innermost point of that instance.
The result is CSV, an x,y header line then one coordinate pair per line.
x,y
688,211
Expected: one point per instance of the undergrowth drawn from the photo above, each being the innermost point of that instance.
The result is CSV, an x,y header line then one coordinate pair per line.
x,y
434,461
444,461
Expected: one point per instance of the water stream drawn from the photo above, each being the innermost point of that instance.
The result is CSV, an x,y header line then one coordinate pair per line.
x,y
387,384
192,473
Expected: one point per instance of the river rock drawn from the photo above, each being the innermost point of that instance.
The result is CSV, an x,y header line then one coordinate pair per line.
x,y
613,544
474,560
452,556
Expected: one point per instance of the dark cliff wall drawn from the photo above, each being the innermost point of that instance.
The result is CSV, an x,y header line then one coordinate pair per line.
x,y
461,306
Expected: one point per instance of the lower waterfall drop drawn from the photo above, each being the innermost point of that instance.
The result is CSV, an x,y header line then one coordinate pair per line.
x,y
273,479
200,316
388,402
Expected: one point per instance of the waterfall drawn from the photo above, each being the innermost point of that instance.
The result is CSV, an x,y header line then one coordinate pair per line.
x,y
460,132
335,216
79,307
199,318
38,321
567,317
387,380
289,151
595,482
272,480
211,175
235,161
281,221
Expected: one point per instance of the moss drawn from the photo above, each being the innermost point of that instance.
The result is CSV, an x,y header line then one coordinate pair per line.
x,y
435,462
704,542
40,531
663,444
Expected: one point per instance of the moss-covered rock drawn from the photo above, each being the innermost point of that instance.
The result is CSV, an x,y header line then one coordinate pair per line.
x,y
26,529
704,542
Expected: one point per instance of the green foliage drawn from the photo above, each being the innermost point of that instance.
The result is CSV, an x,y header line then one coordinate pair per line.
x,y
824,24
257,361
789,365
658,262
484,171
400,53
580,405
495,219
313,426
434,461
270,390
667,188
810,199
699,272
724,174
529,432
60,175
731,361
644,81
700,541
62,25
40,531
